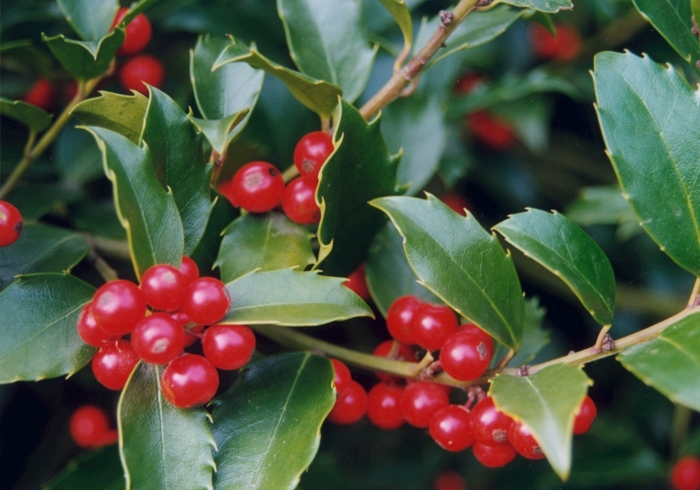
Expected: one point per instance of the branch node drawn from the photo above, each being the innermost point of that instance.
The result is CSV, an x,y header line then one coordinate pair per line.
x,y
446,17
524,370
483,3
608,343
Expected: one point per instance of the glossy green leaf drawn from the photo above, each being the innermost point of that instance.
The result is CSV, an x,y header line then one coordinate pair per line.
x,y
162,446
176,153
294,298
123,114
263,242
672,19
655,163
85,60
604,205
359,170
100,469
388,273
268,424
41,248
671,362
461,263
564,249
208,248
695,9
35,199
147,212
135,8
546,401
217,131
327,41
31,116
37,325
399,11
318,95
98,217
90,19
549,6
535,337
76,156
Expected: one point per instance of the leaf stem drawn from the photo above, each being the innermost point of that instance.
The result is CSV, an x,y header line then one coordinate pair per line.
x,y
112,247
291,172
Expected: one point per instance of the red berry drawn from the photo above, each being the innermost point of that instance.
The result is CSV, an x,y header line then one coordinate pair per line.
x,y
89,427
456,203
465,355
420,401
140,70
356,282
585,416
158,339
299,201
449,480
491,131
399,317
351,406
393,350
163,287
11,224
257,187
491,426
118,306
189,270
228,346
342,377
311,153
686,474
137,34
89,331
451,428
41,94
189,380
494,456
432,325
521,438
206,301
384,406
468,83
565,46
113,364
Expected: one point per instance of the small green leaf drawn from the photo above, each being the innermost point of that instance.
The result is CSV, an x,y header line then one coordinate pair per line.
x,y
671,362
546,402
217,131
268,424
604,205
99,469
263,242
90,19
77,157
327,41
655,163
461,263
399,11
123,114
161,446
41,248
568,252
85,60
549,6
37,325
535,337
359,170
31,116
147,212
289,297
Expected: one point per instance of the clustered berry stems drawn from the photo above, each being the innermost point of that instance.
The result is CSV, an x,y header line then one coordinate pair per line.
x,y
406,75
290,174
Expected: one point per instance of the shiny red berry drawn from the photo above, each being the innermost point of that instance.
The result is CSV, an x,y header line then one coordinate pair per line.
x,y
113,364
456,203
163,287
420,401
118,306
189,380
564,46
228,346
41,94
585,416
311,153
449,480
189,270
465,355
686,474
158,339
137,33
351,406
432,325
140,70
89,427
357,283
392,349
451,428
299,201
491,426
341,377
494,456
89,330
206,301
521,438
399,317
384,406
491,131
257,187
11,224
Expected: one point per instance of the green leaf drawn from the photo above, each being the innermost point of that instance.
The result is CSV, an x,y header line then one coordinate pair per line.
x,y
147,212
461,263
208,248
327,41
695,9
268,424
217,131
263,242
31,116
389,276
35,199
289,297
604,205
37,325
318,95
90,19
176,153
564,249
359,170
399,11
535,337
530,120
671,362
672,19
162,446
123,114
41,249
99,469
77,157
85,60
549,6
655,163
546,402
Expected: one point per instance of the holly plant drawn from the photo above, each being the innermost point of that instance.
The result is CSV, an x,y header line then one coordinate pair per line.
x,y
349,244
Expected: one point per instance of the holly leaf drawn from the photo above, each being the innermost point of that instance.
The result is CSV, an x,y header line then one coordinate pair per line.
x,y
41,248
549,6
263,242
671,362
208,248
328,42
217,131
147,212
85,60
695,9
267,425
402,15
162,446
359,170
289,297
100,469
564,249
535,337
77,157
461,263
90,19
546,402
318,95
123,114
654,163
39,314
31,116
35,199
604,205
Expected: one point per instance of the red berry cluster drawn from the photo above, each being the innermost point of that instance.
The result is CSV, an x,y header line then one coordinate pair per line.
x,y
168,312
564,46
11,224
686,474
89,428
